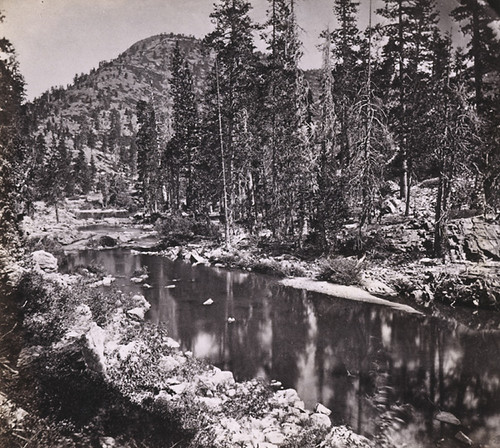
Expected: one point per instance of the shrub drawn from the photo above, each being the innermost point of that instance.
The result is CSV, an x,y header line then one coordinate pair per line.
x,y
342,271
177,229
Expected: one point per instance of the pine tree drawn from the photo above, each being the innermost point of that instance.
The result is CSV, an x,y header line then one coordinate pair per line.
x,y
287,139
408,50
148,157
484,54
184,141
11,146
232,42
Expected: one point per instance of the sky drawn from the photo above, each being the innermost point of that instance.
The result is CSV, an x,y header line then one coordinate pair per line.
x,y
55,39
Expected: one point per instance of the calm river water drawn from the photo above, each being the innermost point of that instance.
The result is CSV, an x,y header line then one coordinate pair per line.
x,y
374,367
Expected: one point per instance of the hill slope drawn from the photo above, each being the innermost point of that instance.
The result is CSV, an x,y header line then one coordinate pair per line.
x,y
98,111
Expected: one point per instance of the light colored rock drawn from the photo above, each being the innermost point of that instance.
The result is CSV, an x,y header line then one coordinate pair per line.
x,y
287,397
321,420
107,442
275,437
178,388
44,261
168,363
137,280
136,313
124,351
169,342
447,417
291,429
93,350
222,378
212,403
208,302
106,281
320,409
460,436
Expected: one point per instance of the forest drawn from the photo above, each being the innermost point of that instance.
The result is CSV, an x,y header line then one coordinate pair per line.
x,y
270,146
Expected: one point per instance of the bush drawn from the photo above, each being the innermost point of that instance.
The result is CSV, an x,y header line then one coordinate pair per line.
x,y
342,271
177,229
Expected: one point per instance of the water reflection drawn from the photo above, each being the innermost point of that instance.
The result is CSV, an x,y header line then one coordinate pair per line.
x,y
375,367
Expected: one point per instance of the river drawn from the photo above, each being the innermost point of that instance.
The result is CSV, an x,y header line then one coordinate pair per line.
x,y
376,368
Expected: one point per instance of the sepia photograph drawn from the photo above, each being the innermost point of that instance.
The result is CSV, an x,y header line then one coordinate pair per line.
x,y
249,224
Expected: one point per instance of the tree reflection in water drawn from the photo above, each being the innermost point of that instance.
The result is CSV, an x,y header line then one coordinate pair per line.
x,y
379,370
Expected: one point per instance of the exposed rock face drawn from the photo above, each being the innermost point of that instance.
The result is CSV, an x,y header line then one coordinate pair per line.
x,y
44,261
474,239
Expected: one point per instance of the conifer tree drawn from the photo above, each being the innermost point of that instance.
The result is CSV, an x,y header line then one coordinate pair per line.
x,y
11,147
484,54
148,157
183,143
232,42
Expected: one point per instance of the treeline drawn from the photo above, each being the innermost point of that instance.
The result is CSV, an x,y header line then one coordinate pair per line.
x,y
397,100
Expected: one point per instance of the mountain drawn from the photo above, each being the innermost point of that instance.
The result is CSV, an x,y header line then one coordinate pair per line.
x,y
97,112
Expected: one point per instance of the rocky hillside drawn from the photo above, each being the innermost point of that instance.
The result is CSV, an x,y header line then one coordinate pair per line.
x,y
98,111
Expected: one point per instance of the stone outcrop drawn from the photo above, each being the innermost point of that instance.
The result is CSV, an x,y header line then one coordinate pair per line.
x,y
474,239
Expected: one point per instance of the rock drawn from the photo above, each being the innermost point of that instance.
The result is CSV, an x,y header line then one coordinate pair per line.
x,y
321,420
231,320
460,436
44,261
212,403
222,378
28,355
124,351
107,241
208,302
136,313
106,281
320,409
136,279
168,363
376,287
107,442
172,343
447,417
195,258
178,388
275,437
287,397
93,350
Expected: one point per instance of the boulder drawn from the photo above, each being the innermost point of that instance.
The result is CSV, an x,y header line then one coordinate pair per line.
x,y
321,420
44,261
107,241
93,349
320,409
447,417
136,313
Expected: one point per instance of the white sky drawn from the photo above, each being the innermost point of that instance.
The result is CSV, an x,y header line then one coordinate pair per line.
x,y
55,39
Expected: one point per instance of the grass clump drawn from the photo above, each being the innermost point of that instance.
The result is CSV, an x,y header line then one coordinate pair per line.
x,y
342,271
